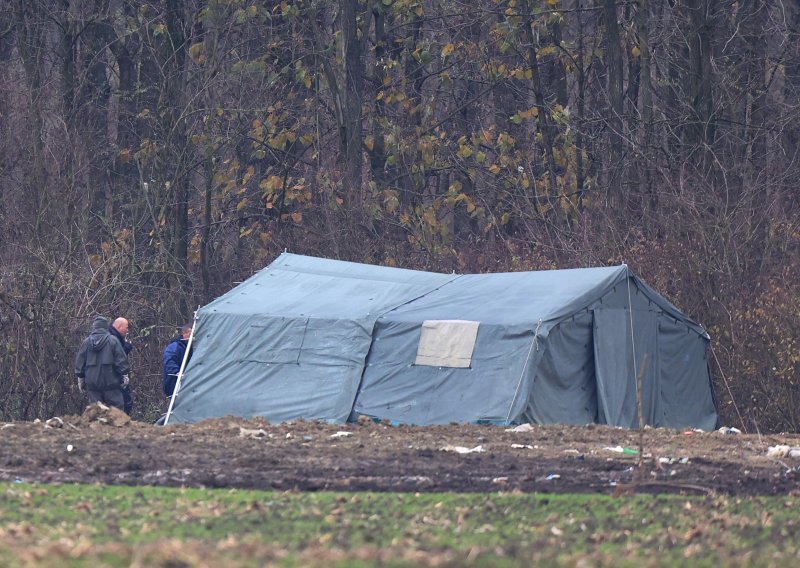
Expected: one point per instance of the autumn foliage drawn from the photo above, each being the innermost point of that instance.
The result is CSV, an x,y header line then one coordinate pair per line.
x,y
154,153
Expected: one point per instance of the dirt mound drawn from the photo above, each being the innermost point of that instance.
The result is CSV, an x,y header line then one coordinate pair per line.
x,y
104,445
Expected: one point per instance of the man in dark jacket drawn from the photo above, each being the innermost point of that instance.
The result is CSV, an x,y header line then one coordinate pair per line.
x,y
100,365
173,358
119,330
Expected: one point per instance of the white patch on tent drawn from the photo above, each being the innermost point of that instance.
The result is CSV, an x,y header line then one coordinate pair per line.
x,y
447,343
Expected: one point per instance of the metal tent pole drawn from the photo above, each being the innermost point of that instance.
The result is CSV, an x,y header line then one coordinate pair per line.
x,y
180,371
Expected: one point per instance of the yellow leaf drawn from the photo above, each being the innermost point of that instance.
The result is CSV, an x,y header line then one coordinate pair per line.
x,y
369,142
448,49
636,51
242,204
297,217
196,50
248,174
270,183
494,168
465,151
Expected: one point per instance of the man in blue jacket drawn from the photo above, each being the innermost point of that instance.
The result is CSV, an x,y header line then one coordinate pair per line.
x,y
173,358
100,365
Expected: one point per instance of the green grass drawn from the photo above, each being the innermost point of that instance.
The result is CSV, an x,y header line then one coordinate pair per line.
x,y
89,525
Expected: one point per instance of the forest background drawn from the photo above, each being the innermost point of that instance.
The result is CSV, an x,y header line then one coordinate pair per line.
x,y
156,152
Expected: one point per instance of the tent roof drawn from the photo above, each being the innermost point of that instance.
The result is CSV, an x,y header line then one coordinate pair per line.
x,y
304,286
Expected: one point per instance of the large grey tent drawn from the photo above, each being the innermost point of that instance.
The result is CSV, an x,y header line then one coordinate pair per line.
x,y
330,340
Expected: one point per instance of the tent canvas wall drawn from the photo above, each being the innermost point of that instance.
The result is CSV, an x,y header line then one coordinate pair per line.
x,y
324,339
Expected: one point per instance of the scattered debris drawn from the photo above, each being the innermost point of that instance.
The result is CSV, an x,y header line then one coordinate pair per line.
x,y
70,447
461,449
521,428
729,430
522,446
782,451
54,422
621,450
99,413
670,461
341,434
500,480
253,433
552,476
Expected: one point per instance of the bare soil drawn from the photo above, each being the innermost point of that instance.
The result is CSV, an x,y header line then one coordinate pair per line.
x,y
104,446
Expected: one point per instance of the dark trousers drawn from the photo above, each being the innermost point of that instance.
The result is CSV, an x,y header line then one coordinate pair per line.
x,y
127,400
108,397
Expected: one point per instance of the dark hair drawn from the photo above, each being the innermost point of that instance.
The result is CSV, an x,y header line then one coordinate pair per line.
x,y
186,327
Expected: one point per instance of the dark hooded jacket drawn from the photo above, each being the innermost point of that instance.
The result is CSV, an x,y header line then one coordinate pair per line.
x,y
126,345
173,358
101,360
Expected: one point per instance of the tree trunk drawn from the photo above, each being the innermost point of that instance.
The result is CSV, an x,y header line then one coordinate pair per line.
x,y
350,138
701,75
646,191
543,112
613,54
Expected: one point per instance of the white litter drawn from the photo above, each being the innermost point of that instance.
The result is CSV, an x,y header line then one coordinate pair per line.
x,y
521,428
782,451
54,422
253,433
341,434
521,446
461,449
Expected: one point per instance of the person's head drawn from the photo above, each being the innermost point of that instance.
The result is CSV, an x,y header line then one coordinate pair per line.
x,y
99,323
186,330
121,325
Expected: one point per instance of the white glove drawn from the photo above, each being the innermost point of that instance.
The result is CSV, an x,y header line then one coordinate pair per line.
x,y
125,381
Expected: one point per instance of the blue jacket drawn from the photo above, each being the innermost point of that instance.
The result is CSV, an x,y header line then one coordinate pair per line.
x,y
173,357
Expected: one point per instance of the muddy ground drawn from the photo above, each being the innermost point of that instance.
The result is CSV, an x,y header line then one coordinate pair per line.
x,y
104,446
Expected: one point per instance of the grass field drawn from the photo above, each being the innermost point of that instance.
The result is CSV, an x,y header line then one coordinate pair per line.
x,y
91,525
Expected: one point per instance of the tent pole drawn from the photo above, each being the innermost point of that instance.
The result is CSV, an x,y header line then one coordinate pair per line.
x,y
633,341
534,343
180,371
